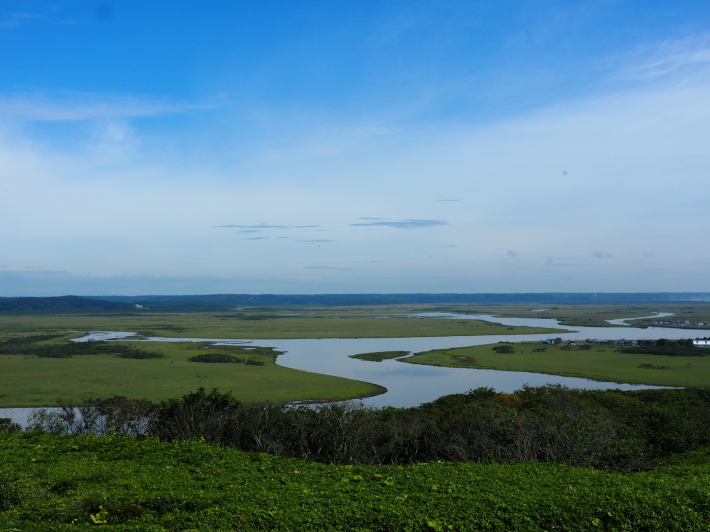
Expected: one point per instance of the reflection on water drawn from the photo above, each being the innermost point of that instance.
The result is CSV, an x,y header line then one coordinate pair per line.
x,y
411,385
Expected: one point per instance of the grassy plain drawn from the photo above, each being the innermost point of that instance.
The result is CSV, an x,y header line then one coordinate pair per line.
x,y
56,483
601,362
41,381
31,381
328,324
28,381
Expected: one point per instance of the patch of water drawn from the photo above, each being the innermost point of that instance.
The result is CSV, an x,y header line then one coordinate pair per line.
x,y
624,321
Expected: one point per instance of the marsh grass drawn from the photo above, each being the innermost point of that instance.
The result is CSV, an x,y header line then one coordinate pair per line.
x,y
601,362
31,381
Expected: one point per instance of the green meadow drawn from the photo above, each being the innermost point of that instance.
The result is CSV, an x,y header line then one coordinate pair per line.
x,y
27,380
250,325
601,362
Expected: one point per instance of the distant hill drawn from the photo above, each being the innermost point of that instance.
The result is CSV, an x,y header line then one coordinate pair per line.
x,y
221,302
63,304
210,302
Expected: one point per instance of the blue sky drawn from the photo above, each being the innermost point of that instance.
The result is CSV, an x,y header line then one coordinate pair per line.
x,y
343,147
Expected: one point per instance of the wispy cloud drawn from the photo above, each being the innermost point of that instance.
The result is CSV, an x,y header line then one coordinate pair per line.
x,y
267,226
669,57
602,255
319,240
554,261
563,264
13,20
404,224
647,254
75,106
256,238
325,268
512,253
34,271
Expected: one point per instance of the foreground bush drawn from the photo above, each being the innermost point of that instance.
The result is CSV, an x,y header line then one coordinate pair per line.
x,y
56,483
624,431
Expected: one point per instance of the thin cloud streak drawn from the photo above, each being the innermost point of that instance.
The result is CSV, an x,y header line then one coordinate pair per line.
x,y
13,20
76,107
326,268
403,224
267,226
671,56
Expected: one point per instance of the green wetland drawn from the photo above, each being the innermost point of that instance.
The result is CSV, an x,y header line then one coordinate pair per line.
x,y
321,369
140,444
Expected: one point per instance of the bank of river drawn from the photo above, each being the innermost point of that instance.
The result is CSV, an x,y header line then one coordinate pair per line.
x,y
410,384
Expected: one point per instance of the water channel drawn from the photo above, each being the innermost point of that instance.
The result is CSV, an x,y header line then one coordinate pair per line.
x,y
410,384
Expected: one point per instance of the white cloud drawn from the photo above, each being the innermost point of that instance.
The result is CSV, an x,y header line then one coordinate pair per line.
x,y
635,180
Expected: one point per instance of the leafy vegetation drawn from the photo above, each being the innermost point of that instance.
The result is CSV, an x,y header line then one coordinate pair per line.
x,y
63,304
380,355
653,366
33,346
668,348
503,349
52,482
615,430
57,483
7,425
216,358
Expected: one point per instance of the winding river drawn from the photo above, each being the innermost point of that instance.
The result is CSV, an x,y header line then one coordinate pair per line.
x,y
413,384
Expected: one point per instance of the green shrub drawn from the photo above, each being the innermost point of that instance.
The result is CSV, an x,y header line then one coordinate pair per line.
x,y
503,349
139,354
216,358
7,425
